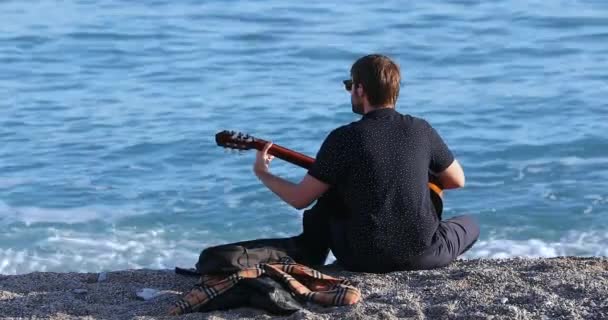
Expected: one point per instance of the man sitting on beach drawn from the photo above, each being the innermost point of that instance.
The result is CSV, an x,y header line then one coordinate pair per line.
x,y
370,179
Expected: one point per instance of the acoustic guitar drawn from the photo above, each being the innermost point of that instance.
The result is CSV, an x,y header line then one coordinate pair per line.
x,y
241,141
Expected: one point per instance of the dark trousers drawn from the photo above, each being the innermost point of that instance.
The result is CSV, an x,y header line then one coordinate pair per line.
x,y
452,238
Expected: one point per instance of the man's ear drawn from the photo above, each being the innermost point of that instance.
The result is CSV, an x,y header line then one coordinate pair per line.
x,y
359,90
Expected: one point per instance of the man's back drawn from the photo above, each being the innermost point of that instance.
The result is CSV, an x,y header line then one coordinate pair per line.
x,y
379,167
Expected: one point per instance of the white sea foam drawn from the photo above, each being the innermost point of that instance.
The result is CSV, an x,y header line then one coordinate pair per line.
x,y
591,243
576,161
30,215
67,250
11,182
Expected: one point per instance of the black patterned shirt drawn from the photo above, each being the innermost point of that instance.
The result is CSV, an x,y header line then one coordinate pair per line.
x,y
379,166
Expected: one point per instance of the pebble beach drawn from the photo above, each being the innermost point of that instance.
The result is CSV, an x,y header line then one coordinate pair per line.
x,y
515,288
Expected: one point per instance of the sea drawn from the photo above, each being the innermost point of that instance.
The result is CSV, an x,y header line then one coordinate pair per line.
x,y
109,108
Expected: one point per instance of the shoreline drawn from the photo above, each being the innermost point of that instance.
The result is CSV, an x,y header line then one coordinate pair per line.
x,y
513,288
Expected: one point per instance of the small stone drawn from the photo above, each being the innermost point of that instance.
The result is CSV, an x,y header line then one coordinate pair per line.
x,y
147,293
103,276
80,291
504,300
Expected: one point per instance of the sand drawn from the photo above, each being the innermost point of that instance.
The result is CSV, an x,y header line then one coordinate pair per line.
x,y
555,288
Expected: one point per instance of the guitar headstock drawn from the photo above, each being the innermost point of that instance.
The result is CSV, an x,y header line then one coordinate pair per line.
x,y
235,140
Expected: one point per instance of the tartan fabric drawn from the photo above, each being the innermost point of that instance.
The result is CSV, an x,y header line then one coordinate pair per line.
x,y
305,283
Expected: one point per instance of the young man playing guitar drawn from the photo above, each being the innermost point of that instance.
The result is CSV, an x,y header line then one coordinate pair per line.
x,y
370,180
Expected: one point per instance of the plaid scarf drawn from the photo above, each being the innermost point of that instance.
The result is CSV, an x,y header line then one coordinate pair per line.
x,y
305,283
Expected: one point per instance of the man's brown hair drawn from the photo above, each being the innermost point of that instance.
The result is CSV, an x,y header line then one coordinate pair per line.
x,y
380,78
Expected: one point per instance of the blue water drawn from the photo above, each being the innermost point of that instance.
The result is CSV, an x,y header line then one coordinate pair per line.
x,y
108,111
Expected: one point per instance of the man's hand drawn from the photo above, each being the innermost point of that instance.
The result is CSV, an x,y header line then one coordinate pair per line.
x,y
262,160
299,195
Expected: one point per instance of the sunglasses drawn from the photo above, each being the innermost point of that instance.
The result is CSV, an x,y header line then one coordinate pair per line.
x,y
348,84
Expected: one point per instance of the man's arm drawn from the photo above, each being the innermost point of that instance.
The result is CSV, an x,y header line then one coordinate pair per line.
x,y
452,177
299,195
443,164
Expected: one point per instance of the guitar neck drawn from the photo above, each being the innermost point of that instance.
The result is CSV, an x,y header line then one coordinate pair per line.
x,y
234,140
288,155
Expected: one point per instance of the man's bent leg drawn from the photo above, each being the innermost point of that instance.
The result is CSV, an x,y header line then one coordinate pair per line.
x,y
462,233
311,247
314,240
453,237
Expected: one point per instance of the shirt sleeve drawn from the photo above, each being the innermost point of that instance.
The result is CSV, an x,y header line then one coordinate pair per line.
x,y
330,163
441,156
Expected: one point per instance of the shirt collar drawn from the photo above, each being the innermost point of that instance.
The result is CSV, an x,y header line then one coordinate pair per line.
x,y
380,113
